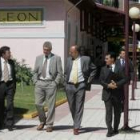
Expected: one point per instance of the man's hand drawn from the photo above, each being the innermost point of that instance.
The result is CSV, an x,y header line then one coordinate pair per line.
x,y
112,86
113,82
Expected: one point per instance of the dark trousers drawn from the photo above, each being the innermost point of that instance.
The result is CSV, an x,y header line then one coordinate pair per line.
x,y
76,97
7,91
113,106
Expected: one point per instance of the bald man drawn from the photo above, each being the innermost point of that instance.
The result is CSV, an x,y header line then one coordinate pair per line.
x,y
79,72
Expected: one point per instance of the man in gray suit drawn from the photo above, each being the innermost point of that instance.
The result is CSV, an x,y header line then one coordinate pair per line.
x,y
47,75
79,72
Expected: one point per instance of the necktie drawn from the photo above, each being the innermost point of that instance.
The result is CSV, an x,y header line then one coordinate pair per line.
x,y
44,68
123,62
111,68
75,72
6,72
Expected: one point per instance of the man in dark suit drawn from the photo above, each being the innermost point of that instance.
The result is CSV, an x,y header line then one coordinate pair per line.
x,y
7,88
79,72
121,63
112,78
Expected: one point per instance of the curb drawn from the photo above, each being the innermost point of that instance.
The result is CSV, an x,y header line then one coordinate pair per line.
x,y
34,114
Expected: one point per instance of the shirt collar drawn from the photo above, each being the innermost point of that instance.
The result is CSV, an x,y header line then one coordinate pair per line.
x,y
2,60
76,58
122,59
113,66
49,56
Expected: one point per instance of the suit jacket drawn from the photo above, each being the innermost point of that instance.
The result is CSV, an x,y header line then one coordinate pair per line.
x,y
88,69
13,73
55,68
120,79
130,68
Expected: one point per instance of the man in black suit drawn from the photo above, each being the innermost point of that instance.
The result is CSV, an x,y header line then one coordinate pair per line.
x,y
79,72
7,88
112,78
121,63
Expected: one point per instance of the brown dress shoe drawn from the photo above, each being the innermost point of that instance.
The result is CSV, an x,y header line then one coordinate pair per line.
x,y
41,126
76,131
49,129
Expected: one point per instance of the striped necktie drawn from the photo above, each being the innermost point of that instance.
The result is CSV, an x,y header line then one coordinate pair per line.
x,y
6,72
44,69
123,62
75,72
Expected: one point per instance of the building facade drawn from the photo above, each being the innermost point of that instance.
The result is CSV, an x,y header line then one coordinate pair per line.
x,y
26,25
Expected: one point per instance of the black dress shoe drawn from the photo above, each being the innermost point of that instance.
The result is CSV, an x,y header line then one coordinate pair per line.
x,y
116,132
1,127
109,134
10,128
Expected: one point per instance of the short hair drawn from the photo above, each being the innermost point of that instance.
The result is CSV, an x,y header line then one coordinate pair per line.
x,y
77,47
112,55
48,44
122,49
3,50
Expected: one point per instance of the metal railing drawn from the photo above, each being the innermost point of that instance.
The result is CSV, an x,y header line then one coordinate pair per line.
x,y
112,3
134,1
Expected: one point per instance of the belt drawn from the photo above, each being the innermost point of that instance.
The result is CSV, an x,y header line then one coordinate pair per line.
x,y
76,83
45,80
8,82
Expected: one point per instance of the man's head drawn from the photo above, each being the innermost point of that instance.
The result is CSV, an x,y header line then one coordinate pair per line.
x,y
5,52
74,51
47,47
122,54
110,58
82,50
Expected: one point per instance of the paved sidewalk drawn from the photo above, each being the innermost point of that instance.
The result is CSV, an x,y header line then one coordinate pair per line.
x,y
93,124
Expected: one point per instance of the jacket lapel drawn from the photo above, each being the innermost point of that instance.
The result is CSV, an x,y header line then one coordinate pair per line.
x,y
51,62
11,67
107,71
0,69
116,69
41,64
70,65
82,63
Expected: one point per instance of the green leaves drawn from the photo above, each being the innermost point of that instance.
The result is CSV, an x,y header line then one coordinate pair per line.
x,y
23,72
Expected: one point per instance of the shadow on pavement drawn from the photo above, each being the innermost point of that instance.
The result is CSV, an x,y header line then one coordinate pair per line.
x,y
19,127
62,127
90,129
130,131
19,113
134,109
135,126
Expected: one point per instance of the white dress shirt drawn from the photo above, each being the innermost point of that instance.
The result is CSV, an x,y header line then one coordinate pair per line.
x,y
113,67
9,70
80,74
121,60
48,76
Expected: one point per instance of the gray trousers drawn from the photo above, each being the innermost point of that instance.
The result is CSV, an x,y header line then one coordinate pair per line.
x,y
45,91
76,98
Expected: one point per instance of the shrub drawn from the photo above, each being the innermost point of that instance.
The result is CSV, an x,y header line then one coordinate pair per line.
x,y
23,72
